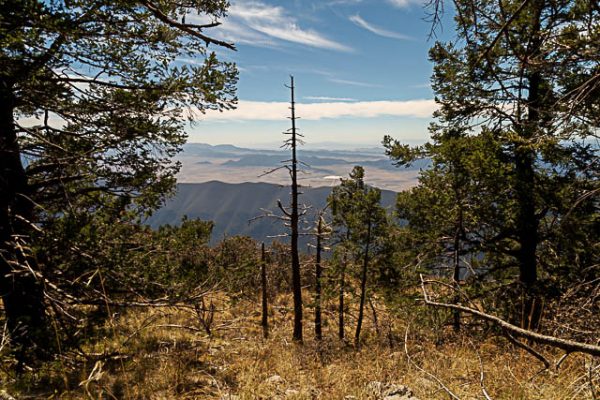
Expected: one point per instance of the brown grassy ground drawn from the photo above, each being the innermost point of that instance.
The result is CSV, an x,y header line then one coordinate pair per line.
x,y
166,354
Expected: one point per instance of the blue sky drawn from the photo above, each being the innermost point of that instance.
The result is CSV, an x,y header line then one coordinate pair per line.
x,y
360,67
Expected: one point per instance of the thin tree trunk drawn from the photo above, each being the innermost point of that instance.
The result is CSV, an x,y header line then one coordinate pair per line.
x,y
456,275
363,288
341,332
527,231
375,319
318,273
296,280
21,292
263,281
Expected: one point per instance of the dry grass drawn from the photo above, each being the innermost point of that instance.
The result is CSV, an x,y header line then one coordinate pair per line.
x,y
161,358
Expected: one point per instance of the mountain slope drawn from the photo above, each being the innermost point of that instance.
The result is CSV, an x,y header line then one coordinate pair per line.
x,y
232,206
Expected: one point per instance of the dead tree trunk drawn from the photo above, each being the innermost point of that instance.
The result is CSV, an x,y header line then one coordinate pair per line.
x,y
296,280
318,273
263,281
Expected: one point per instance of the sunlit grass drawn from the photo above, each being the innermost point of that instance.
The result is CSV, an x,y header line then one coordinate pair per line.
x,y
167,354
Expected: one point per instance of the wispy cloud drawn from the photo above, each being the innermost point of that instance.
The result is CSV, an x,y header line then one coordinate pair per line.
x,y
359,21
343,2
277,111
239,33
260,24
352,83
405,3
326,98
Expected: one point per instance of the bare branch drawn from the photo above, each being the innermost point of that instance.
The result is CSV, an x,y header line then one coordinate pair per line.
x,y
528,349
193,30
410,360
481,373
282,208
565,344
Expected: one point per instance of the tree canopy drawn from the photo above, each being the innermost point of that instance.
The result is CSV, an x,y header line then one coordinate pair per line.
x,y
94,98
515,137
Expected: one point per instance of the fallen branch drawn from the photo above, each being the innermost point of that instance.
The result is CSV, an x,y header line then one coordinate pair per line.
x,y
481,373
564,344
560,360
137,304
189,328
528,349
417,366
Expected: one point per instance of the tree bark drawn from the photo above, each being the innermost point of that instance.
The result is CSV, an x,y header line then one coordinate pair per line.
x,y
527,220
21,291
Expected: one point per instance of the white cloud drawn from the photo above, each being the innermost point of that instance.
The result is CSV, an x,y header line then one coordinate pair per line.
x,y
352,83
359,21
327,98
292,33
405,3
239,33
258,24
321,4
343,2
278,111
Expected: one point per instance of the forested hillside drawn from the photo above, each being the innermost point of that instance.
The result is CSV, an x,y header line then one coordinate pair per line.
x,y
236,209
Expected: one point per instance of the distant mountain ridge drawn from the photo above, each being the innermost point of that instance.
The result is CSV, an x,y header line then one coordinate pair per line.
x,y
232,206
258,157
208,150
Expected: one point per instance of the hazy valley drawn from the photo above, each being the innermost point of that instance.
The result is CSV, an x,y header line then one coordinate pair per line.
x,y
231,164
235,208
227,185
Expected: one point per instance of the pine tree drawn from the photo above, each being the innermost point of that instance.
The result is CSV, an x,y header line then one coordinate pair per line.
x,y
362,225
521,77
93,103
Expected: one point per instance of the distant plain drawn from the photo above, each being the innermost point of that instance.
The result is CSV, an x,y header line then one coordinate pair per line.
x,y
230,164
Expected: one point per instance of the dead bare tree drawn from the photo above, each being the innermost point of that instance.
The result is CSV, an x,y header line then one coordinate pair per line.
x,y
292,144
263,281
291,215
318,272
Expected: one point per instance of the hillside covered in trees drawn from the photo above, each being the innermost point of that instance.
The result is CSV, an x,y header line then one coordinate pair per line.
x,y
234,208
482,280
